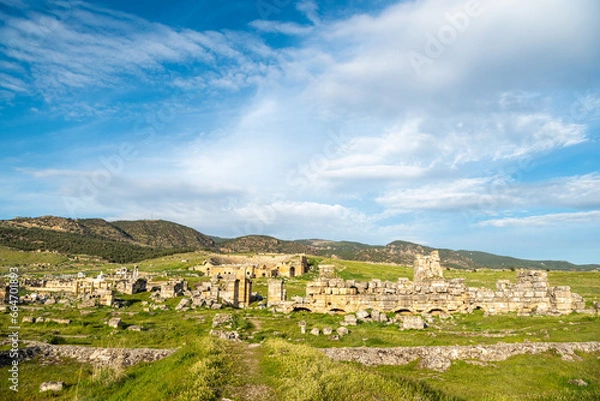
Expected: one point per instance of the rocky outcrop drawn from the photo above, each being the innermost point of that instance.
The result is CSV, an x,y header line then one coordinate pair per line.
x,y
113,357
439,358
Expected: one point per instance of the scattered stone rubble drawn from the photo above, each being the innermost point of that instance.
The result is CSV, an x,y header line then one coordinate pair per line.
x,y
222,325
439,358
429,293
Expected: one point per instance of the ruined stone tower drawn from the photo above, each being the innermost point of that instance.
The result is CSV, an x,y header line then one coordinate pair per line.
x,y
427,267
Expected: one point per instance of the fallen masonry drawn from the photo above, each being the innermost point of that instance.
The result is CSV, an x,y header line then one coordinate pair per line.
x,y
439,357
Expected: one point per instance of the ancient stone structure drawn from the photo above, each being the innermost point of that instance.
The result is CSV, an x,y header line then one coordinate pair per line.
x,y
242,267
129,282
326,271
173,288
229,291
112,357
90,291
275,292
439,357
431,293
427,267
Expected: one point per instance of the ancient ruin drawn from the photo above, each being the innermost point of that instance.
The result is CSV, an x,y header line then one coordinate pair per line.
x,y
249,267
90,291
429,292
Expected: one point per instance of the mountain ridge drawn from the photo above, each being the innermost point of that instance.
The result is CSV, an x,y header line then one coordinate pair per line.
x,y
143,238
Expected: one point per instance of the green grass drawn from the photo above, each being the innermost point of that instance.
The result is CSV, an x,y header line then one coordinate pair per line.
x,y
208,369
300,373
521,377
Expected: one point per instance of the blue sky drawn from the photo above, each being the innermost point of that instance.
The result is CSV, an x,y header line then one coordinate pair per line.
x,y
459,124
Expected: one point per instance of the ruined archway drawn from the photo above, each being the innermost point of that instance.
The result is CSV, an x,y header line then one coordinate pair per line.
x,y
404,312
337,310
301,309
437,311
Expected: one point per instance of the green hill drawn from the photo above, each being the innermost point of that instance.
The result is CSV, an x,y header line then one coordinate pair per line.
x,y
165,234
124,241
121,242
502,262
263,243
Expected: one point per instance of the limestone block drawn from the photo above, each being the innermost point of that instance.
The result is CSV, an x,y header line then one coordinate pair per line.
x,y
51,386
362,315
115,322
182,304
327,331
350,320
342,331
412,323
315,332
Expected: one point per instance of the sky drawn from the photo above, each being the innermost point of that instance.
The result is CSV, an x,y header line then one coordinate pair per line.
x,y
458,124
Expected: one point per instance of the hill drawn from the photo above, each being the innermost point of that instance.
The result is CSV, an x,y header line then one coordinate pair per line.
x,y
263,243
123,241
164,234
502,262
97,237
401,252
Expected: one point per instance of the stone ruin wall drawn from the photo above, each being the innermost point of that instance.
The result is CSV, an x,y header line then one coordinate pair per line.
x,y
240,267
430,293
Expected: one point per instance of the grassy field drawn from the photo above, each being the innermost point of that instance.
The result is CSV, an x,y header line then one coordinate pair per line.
x,y
276,362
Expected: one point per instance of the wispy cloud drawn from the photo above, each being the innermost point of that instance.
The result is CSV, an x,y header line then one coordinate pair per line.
x,y
554,219
287,28
80,45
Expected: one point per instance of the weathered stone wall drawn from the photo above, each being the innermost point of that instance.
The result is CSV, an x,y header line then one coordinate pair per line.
x,y
440,357
113,357
431,293
242,267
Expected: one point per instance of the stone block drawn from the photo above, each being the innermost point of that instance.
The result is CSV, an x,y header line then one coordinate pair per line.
x,y
342,331
51,386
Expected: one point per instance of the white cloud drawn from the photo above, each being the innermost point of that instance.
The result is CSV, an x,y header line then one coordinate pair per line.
x,y
493,194
554,219
287,28
81,45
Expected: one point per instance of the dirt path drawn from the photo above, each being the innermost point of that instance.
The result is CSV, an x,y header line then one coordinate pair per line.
x,y
248,372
